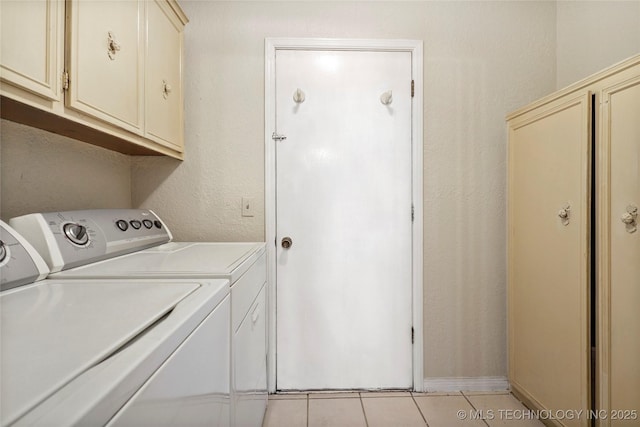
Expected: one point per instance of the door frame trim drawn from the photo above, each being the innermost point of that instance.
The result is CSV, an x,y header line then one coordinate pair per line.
x,y
415,47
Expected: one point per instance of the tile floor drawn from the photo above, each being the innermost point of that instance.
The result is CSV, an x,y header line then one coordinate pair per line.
x,y
396,409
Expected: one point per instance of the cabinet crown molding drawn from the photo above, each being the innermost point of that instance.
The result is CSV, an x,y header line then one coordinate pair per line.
x,y
592,80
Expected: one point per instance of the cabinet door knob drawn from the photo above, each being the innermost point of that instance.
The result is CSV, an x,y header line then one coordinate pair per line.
x,y
112,46
565,215
630,218
166,89
287,242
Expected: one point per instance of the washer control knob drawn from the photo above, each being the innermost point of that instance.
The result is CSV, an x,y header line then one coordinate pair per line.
x,y
135,224
147,223
3,251
76,233
157,223
122,224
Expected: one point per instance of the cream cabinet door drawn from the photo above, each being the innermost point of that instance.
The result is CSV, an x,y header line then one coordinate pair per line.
x,y
549,158
37,24
620,341
163,81
106,62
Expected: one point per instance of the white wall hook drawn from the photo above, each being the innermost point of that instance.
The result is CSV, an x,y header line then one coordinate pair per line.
x,y
298,96
386,98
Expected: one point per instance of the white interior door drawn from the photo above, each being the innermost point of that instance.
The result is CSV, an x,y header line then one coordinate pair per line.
x,y
343,185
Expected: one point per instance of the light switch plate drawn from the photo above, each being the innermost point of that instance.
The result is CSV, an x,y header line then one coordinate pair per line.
x,y
247,206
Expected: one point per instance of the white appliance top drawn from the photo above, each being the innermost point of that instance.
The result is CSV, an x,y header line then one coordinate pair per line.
x,y
174,260
54,331
73,352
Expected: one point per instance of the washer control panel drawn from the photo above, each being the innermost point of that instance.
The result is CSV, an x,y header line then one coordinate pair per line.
x,y
3,252
73,238
20,264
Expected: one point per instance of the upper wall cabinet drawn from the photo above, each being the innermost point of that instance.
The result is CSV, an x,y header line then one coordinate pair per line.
x,y
163,76
105,61
116,81
32,34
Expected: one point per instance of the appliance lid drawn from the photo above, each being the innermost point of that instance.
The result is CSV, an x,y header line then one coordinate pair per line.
x,y
54,331
193,260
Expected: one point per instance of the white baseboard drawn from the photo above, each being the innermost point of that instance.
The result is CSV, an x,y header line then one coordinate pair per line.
x,y
445,384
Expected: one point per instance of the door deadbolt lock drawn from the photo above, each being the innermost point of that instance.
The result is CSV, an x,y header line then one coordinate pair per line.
x,y
287,242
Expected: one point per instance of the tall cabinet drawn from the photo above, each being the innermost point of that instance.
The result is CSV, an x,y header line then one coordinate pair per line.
x,y
619,247
574,249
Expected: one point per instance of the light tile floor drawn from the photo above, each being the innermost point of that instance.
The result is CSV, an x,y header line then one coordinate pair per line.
x,y
396,409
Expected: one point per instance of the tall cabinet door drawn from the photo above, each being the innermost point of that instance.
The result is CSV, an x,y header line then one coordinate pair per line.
x,y
37,24
163,95
620,251
105,61
549,210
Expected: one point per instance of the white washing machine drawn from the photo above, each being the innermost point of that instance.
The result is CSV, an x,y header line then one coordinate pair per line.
x,y
124,352
243,264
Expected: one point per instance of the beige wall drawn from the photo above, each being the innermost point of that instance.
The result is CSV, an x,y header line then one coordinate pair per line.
x,y
42,172
482,59
593,35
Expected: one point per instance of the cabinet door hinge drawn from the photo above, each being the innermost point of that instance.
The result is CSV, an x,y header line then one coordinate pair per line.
x,y
65,80
413,333
413,88
413,213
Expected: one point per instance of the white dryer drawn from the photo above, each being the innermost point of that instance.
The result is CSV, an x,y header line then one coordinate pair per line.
x,y
243,264
109,352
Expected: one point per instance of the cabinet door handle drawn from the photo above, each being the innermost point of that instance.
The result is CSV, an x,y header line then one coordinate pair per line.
x,y
565,215
166,89
112,45
630,218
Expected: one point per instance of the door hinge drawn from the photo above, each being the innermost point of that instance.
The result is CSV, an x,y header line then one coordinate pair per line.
x,y
65,80
413,333
413,213
413,88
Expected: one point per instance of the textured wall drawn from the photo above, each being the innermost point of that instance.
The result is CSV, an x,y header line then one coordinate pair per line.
x,y
593,35
42,171
482,60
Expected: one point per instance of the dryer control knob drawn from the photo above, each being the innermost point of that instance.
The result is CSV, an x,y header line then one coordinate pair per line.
x,y
76,233
3,251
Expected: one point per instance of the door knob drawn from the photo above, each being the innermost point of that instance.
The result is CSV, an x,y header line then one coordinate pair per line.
x,y
287,242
